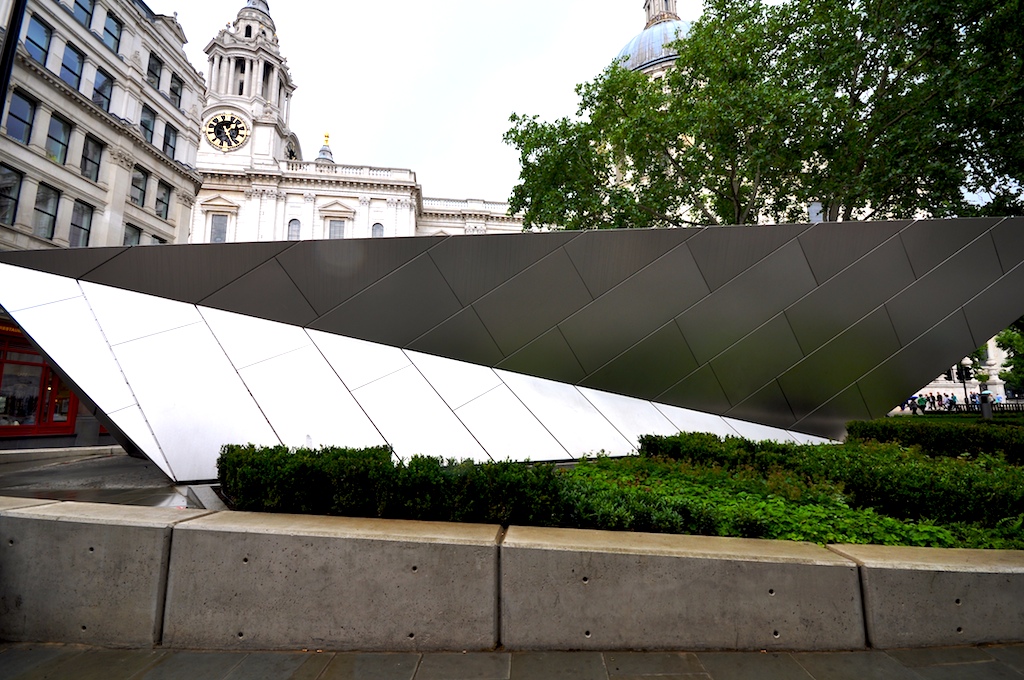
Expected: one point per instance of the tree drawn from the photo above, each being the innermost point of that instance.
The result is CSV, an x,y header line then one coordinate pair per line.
x,y
1011,341
875,108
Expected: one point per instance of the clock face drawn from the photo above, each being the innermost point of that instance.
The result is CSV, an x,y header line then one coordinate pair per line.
x,y
226,131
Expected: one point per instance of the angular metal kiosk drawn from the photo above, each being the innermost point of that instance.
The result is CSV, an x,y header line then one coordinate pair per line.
x,y
540,346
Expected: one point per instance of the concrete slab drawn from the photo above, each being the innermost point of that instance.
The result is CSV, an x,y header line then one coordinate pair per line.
x,y
265,581
558,666
456,666
571,589
12,503
85,573
854,666
921,597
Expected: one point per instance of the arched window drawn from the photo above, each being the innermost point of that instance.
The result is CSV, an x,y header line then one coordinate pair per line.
x,y
377,231
248,31
293,230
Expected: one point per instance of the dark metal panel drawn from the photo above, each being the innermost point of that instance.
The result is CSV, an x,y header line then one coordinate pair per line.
x,y
767,406
648,368
184,273
834,367
830,419
461,337
723,252
397,309
929,242
267,293
531,303
996,307
548,357
916,364
941,291
70,262
832,307
1009,238
629,312
832,246
746,302
606,257
699,391
754,361
475,265
330,272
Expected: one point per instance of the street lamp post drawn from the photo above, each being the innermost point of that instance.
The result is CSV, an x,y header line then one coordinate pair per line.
x,y
962,369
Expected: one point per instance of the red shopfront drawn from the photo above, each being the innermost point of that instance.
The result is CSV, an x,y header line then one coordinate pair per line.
x,y
34,401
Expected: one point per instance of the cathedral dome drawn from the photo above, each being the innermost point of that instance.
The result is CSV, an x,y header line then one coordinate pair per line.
x,y
650,48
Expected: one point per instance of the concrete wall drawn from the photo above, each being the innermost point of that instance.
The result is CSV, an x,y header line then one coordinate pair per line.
x,y
136,577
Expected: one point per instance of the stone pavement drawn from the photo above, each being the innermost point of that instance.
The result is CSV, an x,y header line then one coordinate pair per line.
x,y
39,661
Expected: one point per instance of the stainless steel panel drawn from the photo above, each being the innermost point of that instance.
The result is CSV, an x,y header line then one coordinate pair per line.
x,y
758,433
126,315
330,272
476,265
839,364
457,382
997,306
648,368
936,294
931,242
358,362
830,419
267,292
548,356
397,309
723,252
185,273
1009,239
414,420
767,406
132,422
688,420
753,362
606,257
306,403
632,417
192,398
69,334
753,297
573,420
700,391
833,307
248,340
70,262
462,336
639,306
507,430
830,247
529,304
804,438
22,288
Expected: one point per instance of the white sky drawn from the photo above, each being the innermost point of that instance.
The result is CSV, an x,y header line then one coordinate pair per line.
x,y
429,85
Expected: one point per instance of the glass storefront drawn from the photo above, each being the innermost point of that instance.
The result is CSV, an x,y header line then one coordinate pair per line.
x,y
33,398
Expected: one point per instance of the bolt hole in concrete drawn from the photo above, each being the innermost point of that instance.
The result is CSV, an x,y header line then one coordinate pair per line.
x,y
241,634
959,629
771,591
957,601
586,633
83,627
245,560
91,549
412,635
10,542
775,633
586,579
414,567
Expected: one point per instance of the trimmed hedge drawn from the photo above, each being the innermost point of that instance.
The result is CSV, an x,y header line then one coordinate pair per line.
x,y
947,436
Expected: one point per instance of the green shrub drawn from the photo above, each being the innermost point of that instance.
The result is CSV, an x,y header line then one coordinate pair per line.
x,y
945,436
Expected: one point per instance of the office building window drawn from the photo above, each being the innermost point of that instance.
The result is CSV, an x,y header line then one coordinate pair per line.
x,y
102,87
132,235
139,179
336,229
19,118
163,199
377,231
157,241
83,10
175,90
154,70
147,123
92,152
71,66
10,188
81,225
294,230
45,217
218,228
170,140
112,32
57,139
37,39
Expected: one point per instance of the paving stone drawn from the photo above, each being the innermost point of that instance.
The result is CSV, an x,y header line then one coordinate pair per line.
x,y
107,664
854,666
992,670
558,666
670,676
454,666
371,667
751,665
312,667
938,656
268,666
650,663
1011,655
193,666
33,661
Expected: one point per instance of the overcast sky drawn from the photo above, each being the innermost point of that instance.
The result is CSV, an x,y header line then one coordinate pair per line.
x,y
429,85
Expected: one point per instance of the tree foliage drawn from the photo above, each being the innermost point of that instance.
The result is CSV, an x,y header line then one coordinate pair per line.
x,y
875,108
1011,341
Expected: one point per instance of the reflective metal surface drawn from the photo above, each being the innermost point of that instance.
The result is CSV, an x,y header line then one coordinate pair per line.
x,y
630,416
24,288
248,340
507,430
358,362
132,422
126,315
687,420
457,382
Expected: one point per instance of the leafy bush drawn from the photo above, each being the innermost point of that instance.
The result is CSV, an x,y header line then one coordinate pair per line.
x,y
946,436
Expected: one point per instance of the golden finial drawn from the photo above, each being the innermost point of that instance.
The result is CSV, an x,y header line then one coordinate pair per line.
x,y
327,139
